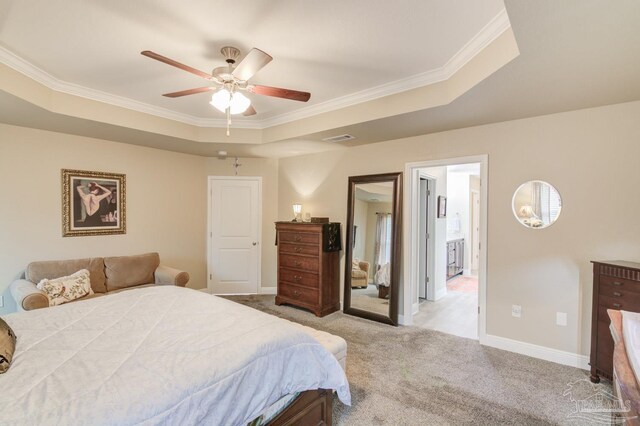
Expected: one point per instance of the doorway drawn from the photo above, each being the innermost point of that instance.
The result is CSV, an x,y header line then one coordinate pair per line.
x,y
234,222
455,291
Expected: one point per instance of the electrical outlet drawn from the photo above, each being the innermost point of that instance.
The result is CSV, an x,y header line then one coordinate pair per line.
x,y
516,311
561,318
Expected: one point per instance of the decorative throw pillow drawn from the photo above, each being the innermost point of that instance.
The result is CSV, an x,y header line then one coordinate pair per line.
x,y
7,345
65,289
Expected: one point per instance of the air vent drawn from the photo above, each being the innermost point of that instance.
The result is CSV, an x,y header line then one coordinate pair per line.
x,y
339,138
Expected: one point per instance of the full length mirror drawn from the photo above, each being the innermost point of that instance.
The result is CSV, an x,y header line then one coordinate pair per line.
x,y
373,247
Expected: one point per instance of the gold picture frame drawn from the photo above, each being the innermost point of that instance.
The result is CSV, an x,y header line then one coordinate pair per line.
x,y
93,203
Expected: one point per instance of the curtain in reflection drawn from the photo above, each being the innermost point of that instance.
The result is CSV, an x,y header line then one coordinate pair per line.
x,y
383,240
536,192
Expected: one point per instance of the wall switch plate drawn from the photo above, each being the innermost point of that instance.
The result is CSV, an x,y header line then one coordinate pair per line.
x,y
561,318
1,301
516,311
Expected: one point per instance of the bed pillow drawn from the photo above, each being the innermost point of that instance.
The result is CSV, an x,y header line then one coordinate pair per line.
x,y
7,346
65,289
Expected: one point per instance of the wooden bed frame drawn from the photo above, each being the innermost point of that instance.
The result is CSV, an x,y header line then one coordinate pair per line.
x,y
626,388
313,407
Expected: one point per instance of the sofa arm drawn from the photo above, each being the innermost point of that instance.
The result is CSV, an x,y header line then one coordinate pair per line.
x,y
364,266
27,295
165,275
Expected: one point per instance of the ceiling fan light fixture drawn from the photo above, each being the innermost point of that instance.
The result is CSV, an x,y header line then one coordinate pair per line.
x,y
239,103
221,99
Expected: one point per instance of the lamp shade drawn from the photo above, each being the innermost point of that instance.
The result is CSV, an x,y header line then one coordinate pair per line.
x,y
297,209
221,99
526,211
239,103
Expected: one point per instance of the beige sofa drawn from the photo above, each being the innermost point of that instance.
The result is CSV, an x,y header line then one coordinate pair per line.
x,y
107,275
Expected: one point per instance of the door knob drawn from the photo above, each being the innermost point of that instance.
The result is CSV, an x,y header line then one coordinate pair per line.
x,y
254,243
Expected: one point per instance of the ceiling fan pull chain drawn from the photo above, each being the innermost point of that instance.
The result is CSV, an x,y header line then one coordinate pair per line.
x,y
228,120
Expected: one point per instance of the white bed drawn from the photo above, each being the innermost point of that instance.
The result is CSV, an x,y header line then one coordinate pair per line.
x,y
158,355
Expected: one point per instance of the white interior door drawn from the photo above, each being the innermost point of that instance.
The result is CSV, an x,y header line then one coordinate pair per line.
x,y
234,232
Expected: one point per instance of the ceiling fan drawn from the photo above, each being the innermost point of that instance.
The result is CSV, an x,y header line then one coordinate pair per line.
x,y
230,80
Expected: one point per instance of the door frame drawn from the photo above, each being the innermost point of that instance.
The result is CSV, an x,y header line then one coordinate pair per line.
x,y
209,235
410,240
473,240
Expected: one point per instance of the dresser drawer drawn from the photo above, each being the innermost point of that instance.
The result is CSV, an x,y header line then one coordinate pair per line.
x,y
619,283
606,302
299,262
620,294
295,293
299,249
300,278
299,237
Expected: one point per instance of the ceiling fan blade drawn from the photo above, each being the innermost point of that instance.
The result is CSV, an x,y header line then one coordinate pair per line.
x,y
251,64
176,64
280,93
189,92
250,111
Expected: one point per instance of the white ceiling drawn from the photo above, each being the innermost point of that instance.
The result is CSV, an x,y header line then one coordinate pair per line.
x,y
330,48
573,54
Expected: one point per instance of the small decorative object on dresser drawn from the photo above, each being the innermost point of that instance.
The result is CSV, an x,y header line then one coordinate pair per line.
x,y
309,266
616,285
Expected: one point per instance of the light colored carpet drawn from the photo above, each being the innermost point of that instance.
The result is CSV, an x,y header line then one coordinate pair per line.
x,y
367,299
413,376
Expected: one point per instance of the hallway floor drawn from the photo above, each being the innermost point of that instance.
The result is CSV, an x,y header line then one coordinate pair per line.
x,y
456,313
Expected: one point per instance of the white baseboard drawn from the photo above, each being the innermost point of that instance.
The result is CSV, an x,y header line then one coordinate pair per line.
x,y
204,290
536,351
268,290
415,308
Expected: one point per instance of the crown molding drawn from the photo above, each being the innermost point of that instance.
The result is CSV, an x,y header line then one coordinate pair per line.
x,y
494,28
483,38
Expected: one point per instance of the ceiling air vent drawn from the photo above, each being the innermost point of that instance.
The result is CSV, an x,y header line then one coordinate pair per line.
x,y
339,138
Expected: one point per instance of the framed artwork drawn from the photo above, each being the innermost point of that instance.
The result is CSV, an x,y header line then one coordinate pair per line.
x,y
93,203
442,206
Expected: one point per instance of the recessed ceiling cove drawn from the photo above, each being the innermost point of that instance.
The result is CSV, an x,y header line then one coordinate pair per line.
x,y
341,52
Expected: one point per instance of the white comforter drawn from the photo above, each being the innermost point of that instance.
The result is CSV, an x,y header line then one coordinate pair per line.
x,y
631,332
158,355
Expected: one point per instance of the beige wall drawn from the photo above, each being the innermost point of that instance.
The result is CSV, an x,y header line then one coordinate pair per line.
x,y
590,156
268,170
166,206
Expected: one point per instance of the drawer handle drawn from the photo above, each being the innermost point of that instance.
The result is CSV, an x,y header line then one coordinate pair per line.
x,y
297,263
297,278
296,293
617,294
297,238
616,305
298,249
616,283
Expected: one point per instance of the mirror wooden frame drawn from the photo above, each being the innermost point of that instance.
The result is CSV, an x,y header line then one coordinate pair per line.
x,y
396,179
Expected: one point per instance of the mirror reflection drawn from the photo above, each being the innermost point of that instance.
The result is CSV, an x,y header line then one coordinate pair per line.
x,y
373,242
371,260
536,204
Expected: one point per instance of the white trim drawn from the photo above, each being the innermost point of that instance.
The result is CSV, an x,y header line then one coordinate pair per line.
x,y
204,290
537,351
210,180
268,290
410,242
494,28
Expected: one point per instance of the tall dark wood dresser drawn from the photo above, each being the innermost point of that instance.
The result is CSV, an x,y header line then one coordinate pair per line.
x,y
616,285
309,266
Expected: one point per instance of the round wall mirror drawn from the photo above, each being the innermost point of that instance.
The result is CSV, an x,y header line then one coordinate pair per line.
x,y
536,204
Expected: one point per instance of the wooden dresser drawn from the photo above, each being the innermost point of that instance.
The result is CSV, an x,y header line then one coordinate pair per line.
x,y
616,285
309,266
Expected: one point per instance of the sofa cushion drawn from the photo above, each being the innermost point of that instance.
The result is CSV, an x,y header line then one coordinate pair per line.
x,y
130,271
50,269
